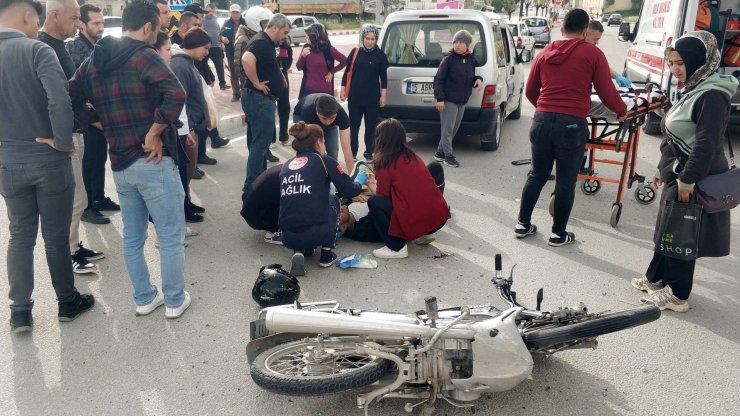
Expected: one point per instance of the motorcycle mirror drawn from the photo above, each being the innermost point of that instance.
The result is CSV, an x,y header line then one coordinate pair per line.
x,y
540,296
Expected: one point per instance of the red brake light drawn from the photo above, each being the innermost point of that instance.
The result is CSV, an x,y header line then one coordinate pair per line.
x,y
489,97
547,29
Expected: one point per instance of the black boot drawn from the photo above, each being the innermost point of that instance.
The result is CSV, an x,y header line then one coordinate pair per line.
x,y
189,205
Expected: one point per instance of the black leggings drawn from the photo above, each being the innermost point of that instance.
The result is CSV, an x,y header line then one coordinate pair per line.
x,y
678,274
356,112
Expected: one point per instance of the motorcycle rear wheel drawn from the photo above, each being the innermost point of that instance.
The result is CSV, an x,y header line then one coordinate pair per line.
x,y
291,369
598,325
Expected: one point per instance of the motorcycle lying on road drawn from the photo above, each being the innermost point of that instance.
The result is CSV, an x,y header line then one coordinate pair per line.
x,y
453,354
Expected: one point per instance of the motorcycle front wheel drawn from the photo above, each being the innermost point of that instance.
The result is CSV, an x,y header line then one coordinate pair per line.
x,y
312,368
590,328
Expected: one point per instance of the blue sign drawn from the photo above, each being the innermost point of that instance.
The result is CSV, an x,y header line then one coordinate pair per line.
x,y
179,5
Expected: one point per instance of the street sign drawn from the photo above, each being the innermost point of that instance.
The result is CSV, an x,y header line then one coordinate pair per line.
x,y
179,5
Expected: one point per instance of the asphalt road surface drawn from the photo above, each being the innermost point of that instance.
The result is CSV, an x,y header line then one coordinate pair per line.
x,y
110,362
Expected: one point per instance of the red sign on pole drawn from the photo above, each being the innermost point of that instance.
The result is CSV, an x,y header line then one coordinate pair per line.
x,y
449,5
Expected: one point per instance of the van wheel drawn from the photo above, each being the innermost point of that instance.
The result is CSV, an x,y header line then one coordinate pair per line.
x,y
651,124
518,112
490,142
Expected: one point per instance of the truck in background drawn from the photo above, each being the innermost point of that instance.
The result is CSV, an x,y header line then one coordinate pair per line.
x,y
661,22
335,11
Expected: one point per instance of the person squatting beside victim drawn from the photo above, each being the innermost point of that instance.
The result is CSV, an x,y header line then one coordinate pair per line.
x,y
308,211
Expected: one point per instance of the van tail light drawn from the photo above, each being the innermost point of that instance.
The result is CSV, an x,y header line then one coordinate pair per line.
x,y
518,42
547,29
489,97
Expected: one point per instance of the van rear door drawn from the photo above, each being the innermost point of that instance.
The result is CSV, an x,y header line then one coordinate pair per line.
x,y
660,23
414,49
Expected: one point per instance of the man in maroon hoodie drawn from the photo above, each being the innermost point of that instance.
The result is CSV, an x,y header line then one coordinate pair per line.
x,y
559,86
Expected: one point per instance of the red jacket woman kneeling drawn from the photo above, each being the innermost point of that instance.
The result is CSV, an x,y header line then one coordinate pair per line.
x,y
408,204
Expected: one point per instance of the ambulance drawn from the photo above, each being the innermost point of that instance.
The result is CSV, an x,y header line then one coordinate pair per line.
x,y
661,22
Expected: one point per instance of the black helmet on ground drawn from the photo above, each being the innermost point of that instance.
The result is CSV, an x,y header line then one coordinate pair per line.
x,y
275,286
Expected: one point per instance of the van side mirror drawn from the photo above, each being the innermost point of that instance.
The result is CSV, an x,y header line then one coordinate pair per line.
x,y
625,34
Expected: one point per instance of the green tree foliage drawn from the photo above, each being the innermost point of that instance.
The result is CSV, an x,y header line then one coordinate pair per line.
x,y
506,6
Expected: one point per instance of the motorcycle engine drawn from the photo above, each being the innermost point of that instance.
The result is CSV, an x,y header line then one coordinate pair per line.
x,y
458,354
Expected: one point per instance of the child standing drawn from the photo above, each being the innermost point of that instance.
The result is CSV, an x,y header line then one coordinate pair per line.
x,y
453,86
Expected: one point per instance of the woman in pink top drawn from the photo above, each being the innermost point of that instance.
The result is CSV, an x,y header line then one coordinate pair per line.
x,y
317,62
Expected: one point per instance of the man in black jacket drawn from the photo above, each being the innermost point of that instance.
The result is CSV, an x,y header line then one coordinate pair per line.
x,y
228,33
96,147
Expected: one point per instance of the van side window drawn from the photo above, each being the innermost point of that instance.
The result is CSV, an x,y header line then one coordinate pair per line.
x,y
498,45
425,44
508,43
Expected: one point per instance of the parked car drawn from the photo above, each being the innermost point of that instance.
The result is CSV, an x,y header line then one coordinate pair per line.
x,y
523,39
615,19
298,32
415,41
112,26
604,18
539,27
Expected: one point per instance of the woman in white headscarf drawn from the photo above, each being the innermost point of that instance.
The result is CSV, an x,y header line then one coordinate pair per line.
x,y
693,147
365,83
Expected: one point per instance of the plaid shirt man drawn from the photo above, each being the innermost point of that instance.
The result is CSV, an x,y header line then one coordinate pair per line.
x,y
79,49
129,87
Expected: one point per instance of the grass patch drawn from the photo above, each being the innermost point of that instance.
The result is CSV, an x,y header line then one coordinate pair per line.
x,y
347,24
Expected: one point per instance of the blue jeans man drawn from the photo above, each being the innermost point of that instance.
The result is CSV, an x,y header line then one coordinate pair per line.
x,y
153,189
260,112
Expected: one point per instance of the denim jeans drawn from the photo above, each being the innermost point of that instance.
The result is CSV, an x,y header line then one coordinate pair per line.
x,y
558,139
260,112
31,191
331,137
153,189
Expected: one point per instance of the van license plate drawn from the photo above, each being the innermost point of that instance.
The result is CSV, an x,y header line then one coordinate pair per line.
x,y
419,88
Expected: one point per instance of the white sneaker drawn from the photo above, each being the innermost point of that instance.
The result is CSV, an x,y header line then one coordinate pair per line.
x,y
386,253
189,232
174,313
425,240
158,301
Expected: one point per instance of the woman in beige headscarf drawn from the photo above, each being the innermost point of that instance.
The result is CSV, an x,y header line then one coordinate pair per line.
x,y
693,147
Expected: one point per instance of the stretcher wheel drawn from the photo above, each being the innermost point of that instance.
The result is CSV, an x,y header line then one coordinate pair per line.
x,y
590,186
551,205
646,195
616,213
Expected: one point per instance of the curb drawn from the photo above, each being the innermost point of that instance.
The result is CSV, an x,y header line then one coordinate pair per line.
x,y
343,32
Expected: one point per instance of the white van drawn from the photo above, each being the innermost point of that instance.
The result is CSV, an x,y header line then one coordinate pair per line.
x,y
415,43
661,22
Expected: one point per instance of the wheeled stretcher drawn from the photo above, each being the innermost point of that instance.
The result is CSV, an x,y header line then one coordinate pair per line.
x,y
621,137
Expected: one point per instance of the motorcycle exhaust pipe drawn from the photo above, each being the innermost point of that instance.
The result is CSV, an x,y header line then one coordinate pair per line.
x,y
302,321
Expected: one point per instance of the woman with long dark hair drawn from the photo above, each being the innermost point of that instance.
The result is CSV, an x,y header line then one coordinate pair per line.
x,y
308,212
408,204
